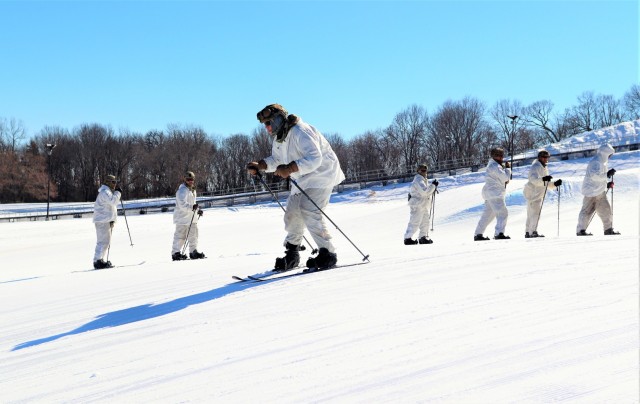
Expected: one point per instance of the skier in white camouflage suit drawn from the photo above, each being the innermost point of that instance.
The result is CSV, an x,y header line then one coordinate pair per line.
x,y
301,152
496,178
534,192
185,217
420,197
105,214
594,189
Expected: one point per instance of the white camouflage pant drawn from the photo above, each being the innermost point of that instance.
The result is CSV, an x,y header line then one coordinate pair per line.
x,y
103,236
598,204
180,235
300,213
533,215
493,209
419,218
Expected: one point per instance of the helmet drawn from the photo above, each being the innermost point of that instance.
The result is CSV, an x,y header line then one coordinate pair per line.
x,y
267,113
543,153
190,174
422,167
497,152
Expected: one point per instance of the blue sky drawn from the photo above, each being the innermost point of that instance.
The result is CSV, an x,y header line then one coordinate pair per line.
x,y
344,66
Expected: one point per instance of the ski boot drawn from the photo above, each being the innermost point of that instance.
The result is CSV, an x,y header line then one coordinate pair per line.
x,y
535,234
290,260
195,254
178,256
611,232
480,237
100,264
324,260
501,236
410,241
583,233
425,240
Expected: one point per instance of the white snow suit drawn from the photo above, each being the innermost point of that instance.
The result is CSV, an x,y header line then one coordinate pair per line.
x,y
534,192
105,211
183,215
318,172
594,189
493,193
420,207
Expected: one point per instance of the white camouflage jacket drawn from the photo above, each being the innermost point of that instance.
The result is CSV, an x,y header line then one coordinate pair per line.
x,y
317,163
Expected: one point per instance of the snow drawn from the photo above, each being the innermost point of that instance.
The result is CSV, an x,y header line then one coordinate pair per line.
x,y
521,320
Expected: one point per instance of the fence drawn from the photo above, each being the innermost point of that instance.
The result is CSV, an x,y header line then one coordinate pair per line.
x,y
255,193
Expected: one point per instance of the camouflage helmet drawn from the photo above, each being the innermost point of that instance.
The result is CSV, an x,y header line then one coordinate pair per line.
x,y
497,152
543,153
267,113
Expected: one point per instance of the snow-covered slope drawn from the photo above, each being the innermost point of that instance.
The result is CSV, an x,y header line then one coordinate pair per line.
x,y
522,320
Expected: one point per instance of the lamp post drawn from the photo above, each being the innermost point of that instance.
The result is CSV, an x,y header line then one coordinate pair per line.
x,y
513,135
50,147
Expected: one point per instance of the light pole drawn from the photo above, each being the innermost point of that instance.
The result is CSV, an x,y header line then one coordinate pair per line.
x,y
513,135
50,147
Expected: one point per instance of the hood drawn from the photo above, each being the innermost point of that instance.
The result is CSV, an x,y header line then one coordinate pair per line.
x,y
605,151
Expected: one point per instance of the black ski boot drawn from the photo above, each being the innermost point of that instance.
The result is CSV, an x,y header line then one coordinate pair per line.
x,y
583,233
290,260
100,264
611,232
425,240
324,260
501,236
195,254
177,256
410,241
527,235
480,237
535,234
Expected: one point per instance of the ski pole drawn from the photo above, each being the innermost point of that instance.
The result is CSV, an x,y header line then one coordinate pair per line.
x,y
433,206
558,211
186,239
302,248
546,184
366,257
612,202
124,213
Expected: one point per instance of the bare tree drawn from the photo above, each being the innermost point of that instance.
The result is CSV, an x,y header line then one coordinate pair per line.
x,y
409,130
455,132
12,133
631,101
506,115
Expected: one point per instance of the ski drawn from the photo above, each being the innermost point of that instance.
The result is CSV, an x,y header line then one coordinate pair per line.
x,y
306,271
262,276
114,267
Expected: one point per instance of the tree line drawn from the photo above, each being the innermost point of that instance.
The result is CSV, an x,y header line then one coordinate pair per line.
x,y
152,164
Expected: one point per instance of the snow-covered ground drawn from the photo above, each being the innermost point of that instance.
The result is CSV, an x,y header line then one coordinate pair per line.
x,y
521,320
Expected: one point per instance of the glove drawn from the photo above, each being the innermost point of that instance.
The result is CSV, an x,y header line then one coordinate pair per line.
x,y
507,165
111,224
435,182
285,170
255,166
611,172
195,206
610,184
200,213
546,178
118,189
557,183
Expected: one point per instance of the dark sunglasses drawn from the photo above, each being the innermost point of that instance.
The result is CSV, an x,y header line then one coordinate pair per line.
x,y
422,170
189,179
267,123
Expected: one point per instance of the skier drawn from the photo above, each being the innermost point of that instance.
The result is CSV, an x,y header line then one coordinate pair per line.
x,y
534,192
301,152
105,214
493,192
594,189
420,196
186,220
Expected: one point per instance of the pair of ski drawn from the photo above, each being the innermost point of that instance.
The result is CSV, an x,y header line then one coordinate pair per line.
x,y
270,275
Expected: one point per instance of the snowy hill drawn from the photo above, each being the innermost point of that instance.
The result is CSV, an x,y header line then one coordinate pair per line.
x,y
522,320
